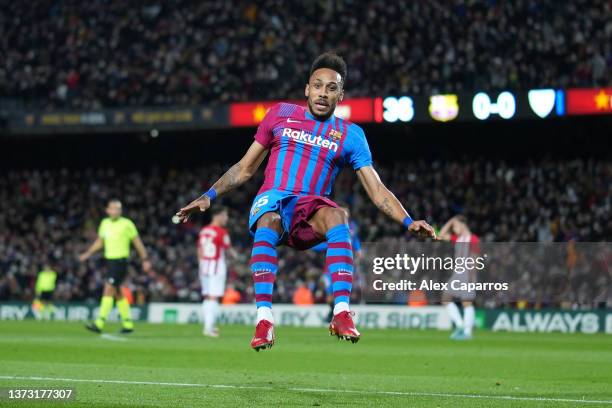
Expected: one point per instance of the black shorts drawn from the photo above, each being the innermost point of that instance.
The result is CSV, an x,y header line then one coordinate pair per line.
x,y
47,296
116,271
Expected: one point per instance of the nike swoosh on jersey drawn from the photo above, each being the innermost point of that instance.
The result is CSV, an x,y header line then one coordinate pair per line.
x,y
260,273
293,121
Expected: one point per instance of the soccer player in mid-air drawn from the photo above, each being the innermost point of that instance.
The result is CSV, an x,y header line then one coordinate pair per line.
x,y
308,146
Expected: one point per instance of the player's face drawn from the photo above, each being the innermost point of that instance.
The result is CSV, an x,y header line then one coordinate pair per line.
x,y
113,209
324,91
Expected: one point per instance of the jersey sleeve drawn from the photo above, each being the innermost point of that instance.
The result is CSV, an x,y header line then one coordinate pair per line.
x,y
38,287
226,241
132,232
264,131
359,154
101,229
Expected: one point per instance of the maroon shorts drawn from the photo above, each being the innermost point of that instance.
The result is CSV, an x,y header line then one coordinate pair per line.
x,y
301,235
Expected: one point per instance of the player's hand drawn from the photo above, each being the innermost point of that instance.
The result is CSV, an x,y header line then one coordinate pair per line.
x,y
146,265
83,257
422,229
201,204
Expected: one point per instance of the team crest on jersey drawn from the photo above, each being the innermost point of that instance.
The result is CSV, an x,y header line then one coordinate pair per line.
x,y
336,135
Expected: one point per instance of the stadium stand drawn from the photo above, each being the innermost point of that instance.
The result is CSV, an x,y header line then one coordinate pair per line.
x,y
52,214
93,54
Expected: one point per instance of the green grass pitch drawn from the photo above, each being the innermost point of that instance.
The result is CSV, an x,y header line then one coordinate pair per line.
x,y
175,366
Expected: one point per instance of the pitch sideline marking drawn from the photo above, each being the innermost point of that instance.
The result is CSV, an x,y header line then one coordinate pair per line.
x,y
327,390
112,337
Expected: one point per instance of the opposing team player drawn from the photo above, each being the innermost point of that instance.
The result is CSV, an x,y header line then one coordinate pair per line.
x,y
213,242
308,147
466,244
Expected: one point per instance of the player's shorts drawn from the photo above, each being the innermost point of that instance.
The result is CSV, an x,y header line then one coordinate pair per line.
x,y
465,277
295,211
47,296
116,271
213,284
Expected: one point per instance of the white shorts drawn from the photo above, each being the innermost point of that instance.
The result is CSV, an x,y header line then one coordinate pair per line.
x,y
468,276
212,278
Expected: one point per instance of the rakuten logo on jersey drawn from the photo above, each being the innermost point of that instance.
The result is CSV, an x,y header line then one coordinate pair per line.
x,y
306,138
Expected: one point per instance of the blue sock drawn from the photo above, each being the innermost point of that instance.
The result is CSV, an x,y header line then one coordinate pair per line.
x,y
264,264
339,262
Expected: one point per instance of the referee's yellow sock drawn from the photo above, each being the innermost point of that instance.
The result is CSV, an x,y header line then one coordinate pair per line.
x,y
106,305
124,311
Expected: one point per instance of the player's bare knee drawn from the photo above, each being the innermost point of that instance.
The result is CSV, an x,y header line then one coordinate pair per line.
x,y
334,217
270,220
326,218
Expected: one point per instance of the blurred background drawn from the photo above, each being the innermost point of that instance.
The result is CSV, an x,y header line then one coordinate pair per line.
x,y
500,111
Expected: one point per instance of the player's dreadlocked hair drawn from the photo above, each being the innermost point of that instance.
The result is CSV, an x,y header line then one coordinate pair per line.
x,y
332,61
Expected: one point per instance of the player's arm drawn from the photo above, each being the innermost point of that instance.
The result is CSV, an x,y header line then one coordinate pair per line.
x,y
386,201
97,245
37,287
227,242
142,253
237,175
445,232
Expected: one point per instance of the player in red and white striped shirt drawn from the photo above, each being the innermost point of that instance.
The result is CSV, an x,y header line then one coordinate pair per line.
x,y
467,244
213,241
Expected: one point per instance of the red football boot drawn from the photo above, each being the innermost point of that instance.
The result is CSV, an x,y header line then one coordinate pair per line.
x,y
343,327
264,336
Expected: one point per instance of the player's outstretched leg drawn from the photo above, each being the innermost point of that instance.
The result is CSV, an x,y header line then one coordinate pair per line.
x,y
469,315
339,263
455,316
127,325
264,265
106,305
210,308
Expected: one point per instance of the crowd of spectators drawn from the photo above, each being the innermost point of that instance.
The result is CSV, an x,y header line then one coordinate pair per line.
x,y
52,215
107,53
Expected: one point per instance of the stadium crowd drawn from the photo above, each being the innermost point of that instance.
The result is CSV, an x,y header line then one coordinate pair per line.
x,y
75,54
51,215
